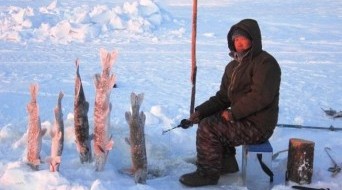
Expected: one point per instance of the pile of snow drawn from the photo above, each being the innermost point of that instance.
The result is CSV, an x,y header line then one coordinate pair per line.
x,y
81,23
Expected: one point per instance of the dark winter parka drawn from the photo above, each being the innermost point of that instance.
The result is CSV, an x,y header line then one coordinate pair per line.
x,y
250,88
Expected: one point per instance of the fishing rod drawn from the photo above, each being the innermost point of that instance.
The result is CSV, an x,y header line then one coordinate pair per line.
x,y
331,128
185,123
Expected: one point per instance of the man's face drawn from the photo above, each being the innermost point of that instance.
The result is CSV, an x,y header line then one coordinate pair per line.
x,y
241,43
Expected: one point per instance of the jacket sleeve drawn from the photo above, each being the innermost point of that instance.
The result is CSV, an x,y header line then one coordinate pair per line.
x,y
219,101
264,88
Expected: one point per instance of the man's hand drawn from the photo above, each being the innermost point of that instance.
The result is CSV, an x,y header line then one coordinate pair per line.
x,y
185,123
195,117
227,116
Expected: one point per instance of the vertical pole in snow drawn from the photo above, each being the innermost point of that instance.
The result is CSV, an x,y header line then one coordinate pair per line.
x,y
193,55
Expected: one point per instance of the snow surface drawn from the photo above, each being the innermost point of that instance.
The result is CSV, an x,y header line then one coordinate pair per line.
x,y
40,40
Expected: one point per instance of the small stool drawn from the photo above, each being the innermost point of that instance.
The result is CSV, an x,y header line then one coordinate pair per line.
x,y
256,165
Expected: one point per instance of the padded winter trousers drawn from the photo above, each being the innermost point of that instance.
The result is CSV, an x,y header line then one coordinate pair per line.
x,y
216,136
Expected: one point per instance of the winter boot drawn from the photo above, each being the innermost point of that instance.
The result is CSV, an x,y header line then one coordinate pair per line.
x,y
229,164
199,178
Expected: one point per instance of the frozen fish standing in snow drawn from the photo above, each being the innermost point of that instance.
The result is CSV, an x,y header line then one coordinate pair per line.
x,y
34,132
81,124
136,124
103,84
57,135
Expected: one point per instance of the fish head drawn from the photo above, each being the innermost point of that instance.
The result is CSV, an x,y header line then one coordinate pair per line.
x,y
100,161
85,156
55,163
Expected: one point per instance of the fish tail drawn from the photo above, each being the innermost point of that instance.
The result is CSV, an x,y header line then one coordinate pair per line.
x,y
34,92
77,64
78,84
60,97
58,108
136,101
107,60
